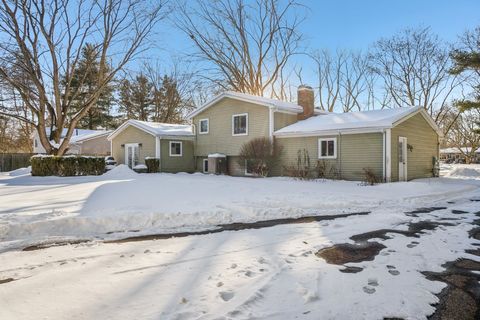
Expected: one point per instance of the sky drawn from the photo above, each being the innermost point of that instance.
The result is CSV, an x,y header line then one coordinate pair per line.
x,y
356,24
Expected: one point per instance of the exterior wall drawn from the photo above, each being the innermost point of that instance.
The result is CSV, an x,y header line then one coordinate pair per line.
x,y
283,119
425,143
354,153
219,138
185,163
99,146
133,135
234,168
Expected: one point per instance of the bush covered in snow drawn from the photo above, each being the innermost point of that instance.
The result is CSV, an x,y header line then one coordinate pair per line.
x,y
67,166
153,165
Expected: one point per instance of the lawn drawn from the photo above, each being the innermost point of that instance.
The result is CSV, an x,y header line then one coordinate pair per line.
x,y
259,271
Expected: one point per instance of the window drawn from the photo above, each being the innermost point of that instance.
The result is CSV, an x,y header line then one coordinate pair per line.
x,y
327,148
176,149
203,126
36,143
205,165
240,124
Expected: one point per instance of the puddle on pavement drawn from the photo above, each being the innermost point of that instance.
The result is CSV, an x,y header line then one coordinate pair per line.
x,y
346,252
461,298
2,281
241,226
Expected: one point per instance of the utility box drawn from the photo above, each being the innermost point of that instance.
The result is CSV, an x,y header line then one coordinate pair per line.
x,y
217,163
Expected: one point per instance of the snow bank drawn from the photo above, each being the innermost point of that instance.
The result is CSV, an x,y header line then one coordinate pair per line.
x,y
121,171
37,208
20,172
464,171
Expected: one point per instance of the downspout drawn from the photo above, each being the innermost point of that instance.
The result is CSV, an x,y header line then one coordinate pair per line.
x,y
339,155
384,154
271,124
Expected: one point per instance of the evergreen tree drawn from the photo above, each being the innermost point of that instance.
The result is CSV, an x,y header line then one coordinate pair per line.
x,y
468,60
136,98
84,83
170,106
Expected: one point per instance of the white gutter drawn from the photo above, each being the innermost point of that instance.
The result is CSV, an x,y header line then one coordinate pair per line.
x,y
388,155
329,132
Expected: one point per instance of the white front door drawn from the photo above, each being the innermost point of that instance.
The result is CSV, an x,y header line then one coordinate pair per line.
x,y
402,159
131,154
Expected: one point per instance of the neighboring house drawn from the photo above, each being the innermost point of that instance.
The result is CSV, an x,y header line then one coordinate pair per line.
x,y
136,140
456,155
83,141
395,144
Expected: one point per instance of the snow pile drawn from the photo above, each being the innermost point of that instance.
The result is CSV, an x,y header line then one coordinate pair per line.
x,y
20,172
471,171
120,171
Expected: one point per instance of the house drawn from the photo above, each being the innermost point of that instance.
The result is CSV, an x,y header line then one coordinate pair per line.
x,y
458,155
136,140
394,144
83,141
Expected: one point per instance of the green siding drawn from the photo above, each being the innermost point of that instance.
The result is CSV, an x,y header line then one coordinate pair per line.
x,y
133,135
185,163
354,153
220,139
424,141
283,119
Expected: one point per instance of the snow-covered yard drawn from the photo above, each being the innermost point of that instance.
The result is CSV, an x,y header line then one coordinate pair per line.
x,y
265,273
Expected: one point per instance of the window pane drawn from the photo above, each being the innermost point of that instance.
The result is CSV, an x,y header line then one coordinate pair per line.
x,y
324,148
239,124
203,126
175,148
331,148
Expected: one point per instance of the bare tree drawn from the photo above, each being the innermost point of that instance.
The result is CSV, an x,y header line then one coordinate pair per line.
x,y
44,39
343,80
246,43
414,66
462,133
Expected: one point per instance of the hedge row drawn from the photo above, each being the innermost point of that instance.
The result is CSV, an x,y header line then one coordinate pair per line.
x,y
67,166
153,165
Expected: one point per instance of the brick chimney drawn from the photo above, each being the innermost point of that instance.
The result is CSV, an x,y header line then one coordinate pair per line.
x,y
305,99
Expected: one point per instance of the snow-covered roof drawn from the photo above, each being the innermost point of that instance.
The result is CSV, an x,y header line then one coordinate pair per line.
x,y
217,155
76,132
456,150
261,101
363,121
88,135
157,129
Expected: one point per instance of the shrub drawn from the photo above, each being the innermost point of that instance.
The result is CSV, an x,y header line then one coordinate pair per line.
x,y
370,178
153,165
261,154
302,170
67,166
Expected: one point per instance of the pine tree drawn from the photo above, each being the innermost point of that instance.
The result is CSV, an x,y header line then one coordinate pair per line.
x,y
136,98
84,83
170,107
468,60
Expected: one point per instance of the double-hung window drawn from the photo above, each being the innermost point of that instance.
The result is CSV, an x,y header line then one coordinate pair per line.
x,y
203,125
240,124
176,149
327,148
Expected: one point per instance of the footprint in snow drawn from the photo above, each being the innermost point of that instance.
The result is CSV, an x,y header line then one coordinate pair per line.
x,y
393,270
372,282
249,273
226,295
412,244
369,290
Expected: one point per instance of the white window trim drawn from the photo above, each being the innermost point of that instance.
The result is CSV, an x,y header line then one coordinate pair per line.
x,y
248,173
334,148
170,149
233,125
203,165
200,126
